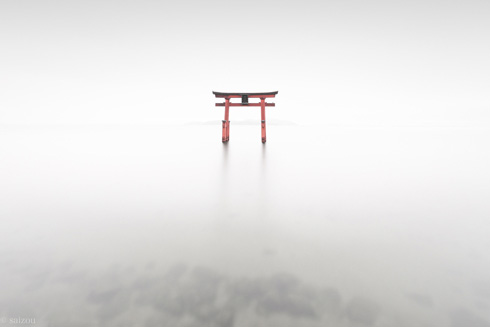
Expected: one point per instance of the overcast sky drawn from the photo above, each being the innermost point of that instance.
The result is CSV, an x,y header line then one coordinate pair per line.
x,y
158,61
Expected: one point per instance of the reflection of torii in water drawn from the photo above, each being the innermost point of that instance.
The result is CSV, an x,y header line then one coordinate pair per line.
x,y
244,96
260,179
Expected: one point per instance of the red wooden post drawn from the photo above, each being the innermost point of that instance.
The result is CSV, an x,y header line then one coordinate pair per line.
x,y
223,138
226,122
262,109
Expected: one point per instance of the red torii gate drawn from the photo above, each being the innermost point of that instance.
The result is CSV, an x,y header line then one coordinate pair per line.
x,y
244,96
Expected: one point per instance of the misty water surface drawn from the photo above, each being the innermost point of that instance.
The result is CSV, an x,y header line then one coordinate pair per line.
x,y
322,226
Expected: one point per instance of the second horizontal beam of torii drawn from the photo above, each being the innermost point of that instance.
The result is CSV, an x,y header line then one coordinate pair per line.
x,y
223,104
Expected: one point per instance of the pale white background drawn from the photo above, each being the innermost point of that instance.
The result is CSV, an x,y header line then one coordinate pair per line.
x,y
368,206
157,61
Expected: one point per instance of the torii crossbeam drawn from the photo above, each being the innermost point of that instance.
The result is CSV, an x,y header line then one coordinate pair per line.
x,y
244,96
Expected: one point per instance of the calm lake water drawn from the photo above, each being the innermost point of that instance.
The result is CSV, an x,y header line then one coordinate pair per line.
x,y
322,226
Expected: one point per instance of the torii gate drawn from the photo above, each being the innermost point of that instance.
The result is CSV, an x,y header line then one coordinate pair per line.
x,y
245,96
